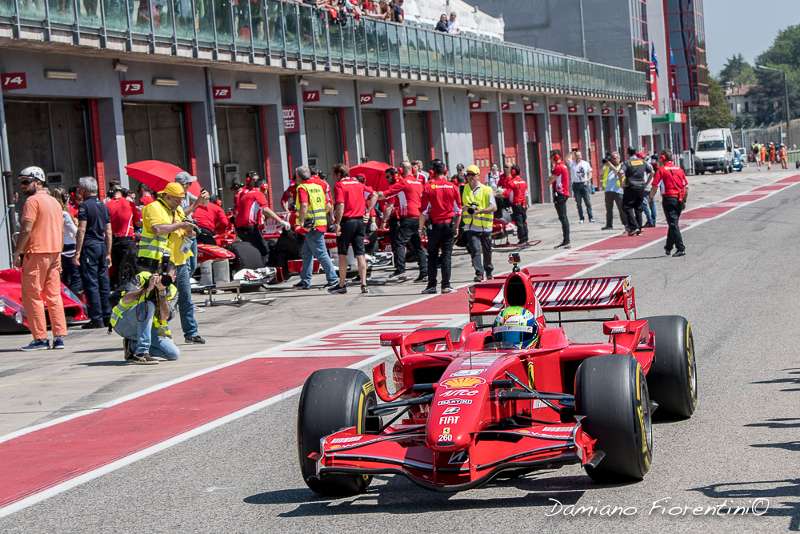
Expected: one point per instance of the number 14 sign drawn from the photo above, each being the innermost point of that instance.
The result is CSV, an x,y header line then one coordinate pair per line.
x,y
14,80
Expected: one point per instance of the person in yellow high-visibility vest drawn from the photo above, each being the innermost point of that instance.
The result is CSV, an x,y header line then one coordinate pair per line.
x,y
142,317
478,215
160,219
312,220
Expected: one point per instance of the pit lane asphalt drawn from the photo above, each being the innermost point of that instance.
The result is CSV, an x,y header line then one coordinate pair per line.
x,y
738,288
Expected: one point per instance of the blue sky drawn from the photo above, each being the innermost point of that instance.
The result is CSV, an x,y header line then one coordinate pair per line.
x,y
745,26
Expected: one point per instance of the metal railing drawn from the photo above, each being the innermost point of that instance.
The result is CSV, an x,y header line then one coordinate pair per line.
x,y
294,33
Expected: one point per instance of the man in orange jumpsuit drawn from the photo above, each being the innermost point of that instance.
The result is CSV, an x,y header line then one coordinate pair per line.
x,y
39,254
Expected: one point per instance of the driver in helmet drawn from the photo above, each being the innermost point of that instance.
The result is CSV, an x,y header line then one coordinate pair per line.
x,y
515,328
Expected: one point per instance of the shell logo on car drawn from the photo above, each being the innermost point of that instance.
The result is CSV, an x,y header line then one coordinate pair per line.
x,y
463,382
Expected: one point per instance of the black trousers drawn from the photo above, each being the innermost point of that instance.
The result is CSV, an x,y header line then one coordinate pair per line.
x,y
440,252
94,274
672,211
583,195
632,198
121,250
394,228
252,235
408,238
519,216
560,202
612,199
479,246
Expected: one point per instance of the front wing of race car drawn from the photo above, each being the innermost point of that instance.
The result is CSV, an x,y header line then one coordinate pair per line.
x,y
401,450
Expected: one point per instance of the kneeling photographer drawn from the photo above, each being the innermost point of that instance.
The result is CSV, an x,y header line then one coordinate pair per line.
x,y
143,313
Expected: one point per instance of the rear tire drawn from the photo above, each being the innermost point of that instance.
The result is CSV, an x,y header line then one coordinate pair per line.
x,y
333,399
672,379
611,391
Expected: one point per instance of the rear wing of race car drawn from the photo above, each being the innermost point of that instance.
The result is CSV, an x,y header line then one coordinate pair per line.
x,y
558,296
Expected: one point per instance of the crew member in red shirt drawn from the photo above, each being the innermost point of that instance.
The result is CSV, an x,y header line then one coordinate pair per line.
x,y
407,195
516,191
560,182
351,215
249,207
211,219
125,218
145,196
441,205
389,209
673,198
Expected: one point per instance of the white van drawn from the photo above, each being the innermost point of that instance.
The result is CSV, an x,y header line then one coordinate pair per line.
x,y
714,151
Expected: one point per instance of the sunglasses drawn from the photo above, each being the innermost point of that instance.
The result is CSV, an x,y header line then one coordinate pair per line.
x,y
25,181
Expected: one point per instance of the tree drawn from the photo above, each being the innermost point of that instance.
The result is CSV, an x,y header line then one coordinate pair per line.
x,y
717,114
768,96
737,71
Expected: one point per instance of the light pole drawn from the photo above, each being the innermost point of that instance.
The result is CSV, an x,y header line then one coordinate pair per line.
x,y
785,97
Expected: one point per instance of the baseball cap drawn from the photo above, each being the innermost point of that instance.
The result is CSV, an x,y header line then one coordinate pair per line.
x,y
184,178
473,169
173,189
34,173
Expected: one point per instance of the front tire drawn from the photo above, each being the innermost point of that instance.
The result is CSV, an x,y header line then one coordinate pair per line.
x,y
333,399
673,376
611,391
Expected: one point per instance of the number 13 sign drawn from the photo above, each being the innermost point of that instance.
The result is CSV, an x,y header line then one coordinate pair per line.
x,y
131,87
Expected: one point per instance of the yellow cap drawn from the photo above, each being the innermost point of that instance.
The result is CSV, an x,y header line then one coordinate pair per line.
x,y
473,169
173,189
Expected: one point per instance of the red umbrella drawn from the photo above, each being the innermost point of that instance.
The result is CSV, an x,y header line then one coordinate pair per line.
x,y
374,172
157,174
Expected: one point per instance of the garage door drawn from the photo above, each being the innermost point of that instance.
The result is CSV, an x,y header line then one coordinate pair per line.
x,y
155,131
575,137
481,142
608,134
417,135
594,149
557,132
239,144
323,138
536,180
510,139
375,139
52,135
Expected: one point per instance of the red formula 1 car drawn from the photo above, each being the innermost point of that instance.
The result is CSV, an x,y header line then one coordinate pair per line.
x,y
464,411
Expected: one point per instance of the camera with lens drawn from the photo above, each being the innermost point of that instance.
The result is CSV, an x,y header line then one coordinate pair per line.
x,y
472,208
163,270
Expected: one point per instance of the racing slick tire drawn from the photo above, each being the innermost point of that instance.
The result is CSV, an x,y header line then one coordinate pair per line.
x,y
672,379
333,399
611,392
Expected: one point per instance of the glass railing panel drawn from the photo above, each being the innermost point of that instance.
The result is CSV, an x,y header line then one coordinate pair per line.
x,y
394,46
337,34
404,50
184,19
361,42
291,27
275,25
61,11
306,20
349,33
116,15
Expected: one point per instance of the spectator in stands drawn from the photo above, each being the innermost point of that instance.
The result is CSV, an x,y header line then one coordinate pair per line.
x,y
442,25
398,14
93,253
384,12
452,24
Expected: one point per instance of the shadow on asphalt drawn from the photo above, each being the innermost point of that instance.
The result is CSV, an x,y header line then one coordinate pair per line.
x,y
783,496
400,496
791,446
90,351
778,422
109,363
